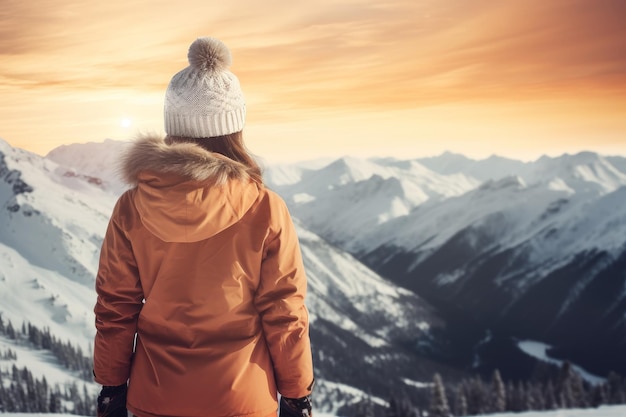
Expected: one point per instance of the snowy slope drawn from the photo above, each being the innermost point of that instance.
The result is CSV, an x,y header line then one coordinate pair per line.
x,y
604,411
101,166
42,364
494,167
52,228
350,195
378,309
534,248
536,255
587,174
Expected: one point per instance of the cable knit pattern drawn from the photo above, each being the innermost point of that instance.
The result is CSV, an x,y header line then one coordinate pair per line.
x,y
205,99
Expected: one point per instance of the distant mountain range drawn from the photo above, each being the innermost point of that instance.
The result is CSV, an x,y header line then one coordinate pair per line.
x,y
53,215
442,264
506,250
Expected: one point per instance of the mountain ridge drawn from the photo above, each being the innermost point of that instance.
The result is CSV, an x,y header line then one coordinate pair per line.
x,y
52,228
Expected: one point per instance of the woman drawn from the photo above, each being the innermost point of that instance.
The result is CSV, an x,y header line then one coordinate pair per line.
x,y
201,286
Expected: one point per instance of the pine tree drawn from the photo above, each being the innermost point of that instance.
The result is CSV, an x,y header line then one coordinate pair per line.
x,y
566,397
477,396
11,399
400,406
516,396
11,331
54,405
498,393
599,395
21,401
438,400
534,397
564,386
31,393
88,402
392,411
460,404
15,374
42,390
550,401
579,393
615,389
3,394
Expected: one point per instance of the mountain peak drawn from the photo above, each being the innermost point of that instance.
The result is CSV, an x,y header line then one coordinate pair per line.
x,y
512,181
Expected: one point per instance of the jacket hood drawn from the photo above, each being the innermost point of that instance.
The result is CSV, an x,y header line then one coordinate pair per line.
x,y
185,193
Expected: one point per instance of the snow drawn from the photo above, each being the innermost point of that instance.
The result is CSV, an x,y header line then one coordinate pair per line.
x,y
605,411
39,415
49,249
300,198
361,204
72,161
549,214
490,168
41,363
350,195
336,280
46,299
539,350
417,384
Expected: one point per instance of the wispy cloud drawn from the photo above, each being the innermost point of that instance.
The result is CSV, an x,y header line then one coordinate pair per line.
x,y
296,59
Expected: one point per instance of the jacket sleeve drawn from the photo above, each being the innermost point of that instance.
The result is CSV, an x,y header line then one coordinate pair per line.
x,y
280,302
120,298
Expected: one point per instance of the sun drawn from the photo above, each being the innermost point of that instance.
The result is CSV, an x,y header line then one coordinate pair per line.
x,y
126,122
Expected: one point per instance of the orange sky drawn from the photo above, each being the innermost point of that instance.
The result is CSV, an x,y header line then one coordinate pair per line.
x,y
405,78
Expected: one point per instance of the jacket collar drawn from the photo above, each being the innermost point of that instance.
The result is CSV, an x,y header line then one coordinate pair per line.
x,y
151,153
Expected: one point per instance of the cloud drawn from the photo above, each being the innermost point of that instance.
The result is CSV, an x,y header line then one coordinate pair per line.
x,y
421,53
357,53
300,61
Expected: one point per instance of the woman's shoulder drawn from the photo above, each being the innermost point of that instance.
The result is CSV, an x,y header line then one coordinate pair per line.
x,y
269,196
271,204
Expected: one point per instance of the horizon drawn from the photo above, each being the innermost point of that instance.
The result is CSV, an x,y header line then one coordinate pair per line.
x,y
332,158
401,78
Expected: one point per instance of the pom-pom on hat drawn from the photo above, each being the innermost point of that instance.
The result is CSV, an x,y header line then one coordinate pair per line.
x,y
205,99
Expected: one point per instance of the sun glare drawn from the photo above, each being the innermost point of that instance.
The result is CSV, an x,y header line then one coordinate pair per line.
x,y
126,122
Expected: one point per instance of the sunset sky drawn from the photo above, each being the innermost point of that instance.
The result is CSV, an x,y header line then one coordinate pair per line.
x,y
404,78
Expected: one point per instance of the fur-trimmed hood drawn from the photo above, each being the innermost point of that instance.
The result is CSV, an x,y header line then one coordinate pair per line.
x,y
151,153
184,193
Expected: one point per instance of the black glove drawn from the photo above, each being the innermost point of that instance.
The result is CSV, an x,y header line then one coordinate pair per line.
x,y
112,401
295,407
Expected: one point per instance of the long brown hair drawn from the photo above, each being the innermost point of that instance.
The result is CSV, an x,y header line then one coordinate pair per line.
x,y
231,146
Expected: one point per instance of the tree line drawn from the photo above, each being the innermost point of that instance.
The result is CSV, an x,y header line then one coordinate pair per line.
x,y
563,388
20,391
553,388
68,355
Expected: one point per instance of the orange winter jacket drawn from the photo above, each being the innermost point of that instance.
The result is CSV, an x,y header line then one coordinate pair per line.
x,y
201,290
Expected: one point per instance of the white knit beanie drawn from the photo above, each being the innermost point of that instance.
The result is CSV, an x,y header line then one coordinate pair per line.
x,y
205,99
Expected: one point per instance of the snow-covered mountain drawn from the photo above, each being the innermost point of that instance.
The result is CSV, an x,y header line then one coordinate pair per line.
x,y
523,249
53,215
505,250
93,161
348,196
